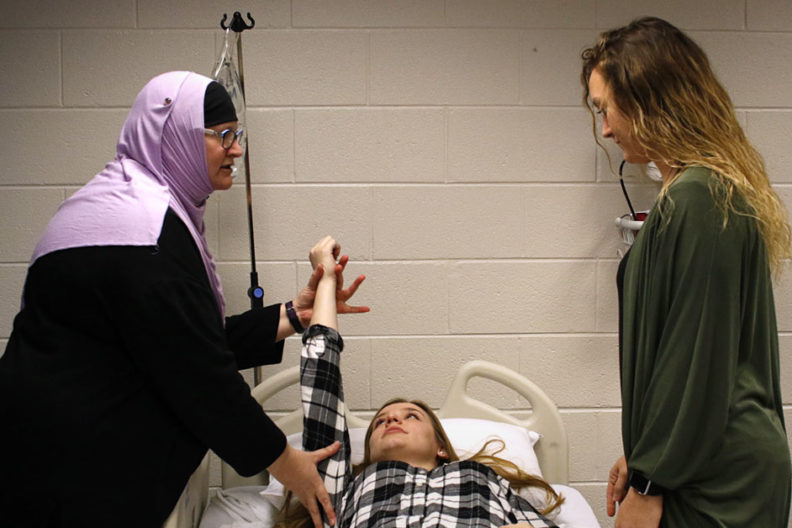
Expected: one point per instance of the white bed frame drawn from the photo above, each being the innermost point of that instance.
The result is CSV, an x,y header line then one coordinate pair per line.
x,y
551,449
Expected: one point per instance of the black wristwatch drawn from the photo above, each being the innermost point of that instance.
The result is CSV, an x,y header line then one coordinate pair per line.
x,y
643,485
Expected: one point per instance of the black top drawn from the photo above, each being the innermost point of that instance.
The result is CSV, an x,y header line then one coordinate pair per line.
x,y
620,290
117,377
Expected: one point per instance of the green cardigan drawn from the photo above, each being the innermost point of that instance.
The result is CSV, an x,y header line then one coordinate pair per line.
x,y
702,412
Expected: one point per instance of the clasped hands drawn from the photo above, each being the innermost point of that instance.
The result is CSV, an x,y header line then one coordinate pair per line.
x,y
324,255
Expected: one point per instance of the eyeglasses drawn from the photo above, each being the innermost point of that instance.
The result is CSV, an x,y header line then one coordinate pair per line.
x,y
227,136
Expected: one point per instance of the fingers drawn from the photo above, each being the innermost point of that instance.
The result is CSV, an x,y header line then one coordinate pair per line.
x,y
324,499
340,267
321,454
321,492
324,247
617,480
347,309
329,243
313,282
313,509
330,250
344,295
349,292
297,471
323,250
619,490
620,485
609,502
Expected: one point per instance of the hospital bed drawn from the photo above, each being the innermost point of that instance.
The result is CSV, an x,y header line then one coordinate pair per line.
x,y
540,433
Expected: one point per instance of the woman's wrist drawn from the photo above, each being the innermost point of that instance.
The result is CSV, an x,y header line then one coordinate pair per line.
x,y
326,292
324,308
304,316
294,320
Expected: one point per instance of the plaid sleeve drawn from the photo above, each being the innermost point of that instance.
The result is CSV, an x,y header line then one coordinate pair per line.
x,y
324,419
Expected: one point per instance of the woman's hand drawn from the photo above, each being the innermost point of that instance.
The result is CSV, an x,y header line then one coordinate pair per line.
x,y
296,470
303,304
635,510
639,511
617,485
343,295
325,253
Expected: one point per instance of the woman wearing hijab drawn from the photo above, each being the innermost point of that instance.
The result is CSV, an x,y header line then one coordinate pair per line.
x,y
122,368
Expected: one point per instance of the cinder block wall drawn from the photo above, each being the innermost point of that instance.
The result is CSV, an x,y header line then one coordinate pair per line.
x,y
441,141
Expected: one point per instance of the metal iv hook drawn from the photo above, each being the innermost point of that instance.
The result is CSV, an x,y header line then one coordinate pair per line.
x,y
238,24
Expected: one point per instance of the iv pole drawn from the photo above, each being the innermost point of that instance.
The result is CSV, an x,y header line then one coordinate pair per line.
x,y
255,292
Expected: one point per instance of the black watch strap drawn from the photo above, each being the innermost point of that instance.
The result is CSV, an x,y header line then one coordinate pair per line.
x,y
291,313
643,485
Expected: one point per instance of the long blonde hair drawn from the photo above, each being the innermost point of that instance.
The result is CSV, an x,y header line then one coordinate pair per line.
x,y
682,116
295,516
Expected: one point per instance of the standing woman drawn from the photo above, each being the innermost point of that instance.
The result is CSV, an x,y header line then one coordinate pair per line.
x,y
702,418
122,369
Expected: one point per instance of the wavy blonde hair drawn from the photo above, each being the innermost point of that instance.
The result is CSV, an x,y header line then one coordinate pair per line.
x,y
681,115
295,516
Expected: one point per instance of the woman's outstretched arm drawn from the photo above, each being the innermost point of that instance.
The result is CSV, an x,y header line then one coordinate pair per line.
x,y
324,419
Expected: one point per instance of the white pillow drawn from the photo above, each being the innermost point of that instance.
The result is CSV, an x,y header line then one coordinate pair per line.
x,y
467,435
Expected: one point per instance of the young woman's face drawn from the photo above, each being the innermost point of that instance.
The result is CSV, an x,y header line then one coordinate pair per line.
x,y
404,432
219,160
614,124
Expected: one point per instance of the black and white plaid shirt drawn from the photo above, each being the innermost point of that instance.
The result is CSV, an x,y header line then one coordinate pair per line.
x,y
394,494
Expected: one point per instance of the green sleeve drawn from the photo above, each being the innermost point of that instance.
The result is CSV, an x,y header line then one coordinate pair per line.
x,y
682,318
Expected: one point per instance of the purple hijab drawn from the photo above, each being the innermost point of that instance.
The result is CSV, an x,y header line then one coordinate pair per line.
x,y
160,162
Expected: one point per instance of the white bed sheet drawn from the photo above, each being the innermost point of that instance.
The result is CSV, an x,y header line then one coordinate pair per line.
x,y
575,512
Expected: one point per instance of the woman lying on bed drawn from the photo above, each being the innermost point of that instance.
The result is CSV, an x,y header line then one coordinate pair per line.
x,y
410,470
